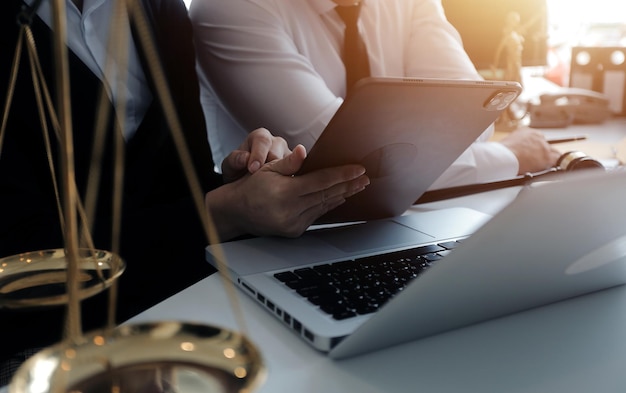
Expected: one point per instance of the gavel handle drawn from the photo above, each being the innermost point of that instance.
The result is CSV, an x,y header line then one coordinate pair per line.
x,y
459,191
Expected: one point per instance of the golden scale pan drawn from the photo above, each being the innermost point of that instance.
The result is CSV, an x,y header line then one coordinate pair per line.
x,y
165,356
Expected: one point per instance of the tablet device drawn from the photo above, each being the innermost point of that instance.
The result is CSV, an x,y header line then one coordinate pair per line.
x,y
406,132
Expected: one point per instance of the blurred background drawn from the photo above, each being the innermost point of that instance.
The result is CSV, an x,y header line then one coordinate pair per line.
x,y
597,23
568,23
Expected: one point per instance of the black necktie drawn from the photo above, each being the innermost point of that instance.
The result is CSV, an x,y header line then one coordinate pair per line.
x,y
354,51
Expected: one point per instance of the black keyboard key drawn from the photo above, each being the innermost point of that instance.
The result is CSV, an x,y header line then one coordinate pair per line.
x,y
450,245
307,273
304,283
428,249
286,276
444,253
324,269
432,257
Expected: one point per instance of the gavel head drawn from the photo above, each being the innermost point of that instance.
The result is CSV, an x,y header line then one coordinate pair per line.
x,y
575,160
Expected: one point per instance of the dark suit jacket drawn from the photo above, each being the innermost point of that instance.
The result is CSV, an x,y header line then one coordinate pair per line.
x,y
161,241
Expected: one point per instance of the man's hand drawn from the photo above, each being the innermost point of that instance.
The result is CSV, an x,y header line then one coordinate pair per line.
x,y
259,147
532,150
272,201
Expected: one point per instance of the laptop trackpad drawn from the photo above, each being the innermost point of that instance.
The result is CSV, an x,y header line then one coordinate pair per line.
x,y
371,237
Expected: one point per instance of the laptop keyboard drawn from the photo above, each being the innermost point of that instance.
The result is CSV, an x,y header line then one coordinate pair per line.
x,y
361,286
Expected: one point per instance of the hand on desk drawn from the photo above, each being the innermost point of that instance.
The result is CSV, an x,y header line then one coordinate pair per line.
x,y
532,150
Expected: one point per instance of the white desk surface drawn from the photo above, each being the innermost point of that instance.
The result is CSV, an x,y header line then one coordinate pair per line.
x,y
578,345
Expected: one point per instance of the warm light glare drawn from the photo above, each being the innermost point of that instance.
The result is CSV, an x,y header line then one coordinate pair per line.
x,y
41,373
99,340
571,19
240,372
187,346
585,11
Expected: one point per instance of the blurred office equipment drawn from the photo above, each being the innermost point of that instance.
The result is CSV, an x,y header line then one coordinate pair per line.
x,y
601,69
568,105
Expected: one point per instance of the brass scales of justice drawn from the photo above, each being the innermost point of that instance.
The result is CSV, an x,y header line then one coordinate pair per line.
x,y
162,356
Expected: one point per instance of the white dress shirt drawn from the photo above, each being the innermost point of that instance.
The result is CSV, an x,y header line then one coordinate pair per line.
x,y
88,38
277,64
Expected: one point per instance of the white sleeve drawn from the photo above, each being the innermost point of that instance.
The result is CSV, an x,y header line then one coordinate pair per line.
x,y
245,51
432,34
482,162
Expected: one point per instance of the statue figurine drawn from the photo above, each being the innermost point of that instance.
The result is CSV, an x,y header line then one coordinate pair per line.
x,y
511,45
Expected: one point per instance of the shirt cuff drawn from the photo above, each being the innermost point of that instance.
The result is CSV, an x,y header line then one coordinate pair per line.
x,y
494,162
482,162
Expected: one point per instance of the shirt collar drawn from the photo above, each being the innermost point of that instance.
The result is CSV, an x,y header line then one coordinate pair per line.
x,y
324,6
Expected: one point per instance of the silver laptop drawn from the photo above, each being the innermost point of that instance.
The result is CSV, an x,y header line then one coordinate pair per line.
x,y
398,128
556,240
